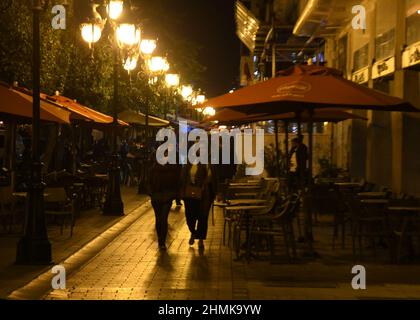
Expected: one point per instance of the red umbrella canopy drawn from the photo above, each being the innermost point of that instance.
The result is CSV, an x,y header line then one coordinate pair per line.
x,y
230,116
319,115
307,87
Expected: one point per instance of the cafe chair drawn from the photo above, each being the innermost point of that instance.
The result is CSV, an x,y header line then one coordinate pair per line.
x,y
58,205
7,208
277,224
406,227
368,223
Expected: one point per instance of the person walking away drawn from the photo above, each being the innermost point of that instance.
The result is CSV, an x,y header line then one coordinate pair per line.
x,y
198,195
164,188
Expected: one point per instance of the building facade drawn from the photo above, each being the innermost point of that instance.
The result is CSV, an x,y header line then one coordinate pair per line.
x,y
375,43
385,55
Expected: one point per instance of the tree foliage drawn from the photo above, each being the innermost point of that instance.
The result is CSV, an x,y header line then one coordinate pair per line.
x,y
67,64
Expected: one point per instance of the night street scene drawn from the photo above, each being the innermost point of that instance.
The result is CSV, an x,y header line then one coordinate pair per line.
x,y
245,151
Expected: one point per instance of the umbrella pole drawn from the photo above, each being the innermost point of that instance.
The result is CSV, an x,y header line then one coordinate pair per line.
x,y
276,129
286,146
73,148
308,222
332,144
299,125
12,163
301,178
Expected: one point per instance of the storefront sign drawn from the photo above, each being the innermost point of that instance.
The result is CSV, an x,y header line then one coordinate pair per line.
x,y
361,76
383,68
411,55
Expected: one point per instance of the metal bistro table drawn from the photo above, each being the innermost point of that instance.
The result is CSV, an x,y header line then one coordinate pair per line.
x,y
241,184
233,203
246,202
372,195
375,201
352,186
246,212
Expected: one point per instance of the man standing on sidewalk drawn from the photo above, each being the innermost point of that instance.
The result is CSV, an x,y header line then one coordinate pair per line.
x,y
164,188
298,160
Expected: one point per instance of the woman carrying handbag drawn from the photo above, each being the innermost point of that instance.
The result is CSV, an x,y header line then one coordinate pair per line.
x,y
198,194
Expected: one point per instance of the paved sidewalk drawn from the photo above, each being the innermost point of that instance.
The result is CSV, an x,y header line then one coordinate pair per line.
x,y
90,224
131,267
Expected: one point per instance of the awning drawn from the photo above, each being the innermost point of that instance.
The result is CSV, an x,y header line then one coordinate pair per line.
x,y
18,104
324,18
81,112
139,118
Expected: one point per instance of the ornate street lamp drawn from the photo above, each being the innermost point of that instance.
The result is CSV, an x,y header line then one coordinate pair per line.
x,y
92,26
126,38
147,47
158,65
130,63
114,9
186,92
209,111
201,98
172,82
34,246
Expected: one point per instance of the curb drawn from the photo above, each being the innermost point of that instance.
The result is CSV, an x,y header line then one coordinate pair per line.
x,y
39,286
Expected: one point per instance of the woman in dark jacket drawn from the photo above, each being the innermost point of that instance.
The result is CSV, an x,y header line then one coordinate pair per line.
x,y
198,194
164,188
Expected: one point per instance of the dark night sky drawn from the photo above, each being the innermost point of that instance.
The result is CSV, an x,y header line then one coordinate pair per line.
x,y
211,25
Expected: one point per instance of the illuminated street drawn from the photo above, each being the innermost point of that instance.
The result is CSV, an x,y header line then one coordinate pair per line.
x,y
172,150
130,267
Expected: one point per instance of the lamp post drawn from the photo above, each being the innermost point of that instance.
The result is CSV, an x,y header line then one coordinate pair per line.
x,y
147,47
200,100
127,38
172,81
158,66
34,247
186,93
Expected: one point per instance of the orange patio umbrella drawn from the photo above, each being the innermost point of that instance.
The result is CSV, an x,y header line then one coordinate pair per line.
x,y
232,117
81,112
17,104
307,87
301,88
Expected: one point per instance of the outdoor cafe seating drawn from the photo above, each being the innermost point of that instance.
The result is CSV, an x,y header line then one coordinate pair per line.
x,y
61,207
258,217
372,216
261,220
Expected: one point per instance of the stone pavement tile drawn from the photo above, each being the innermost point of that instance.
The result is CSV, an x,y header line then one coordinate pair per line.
x,y
142,265
88,226
133,264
